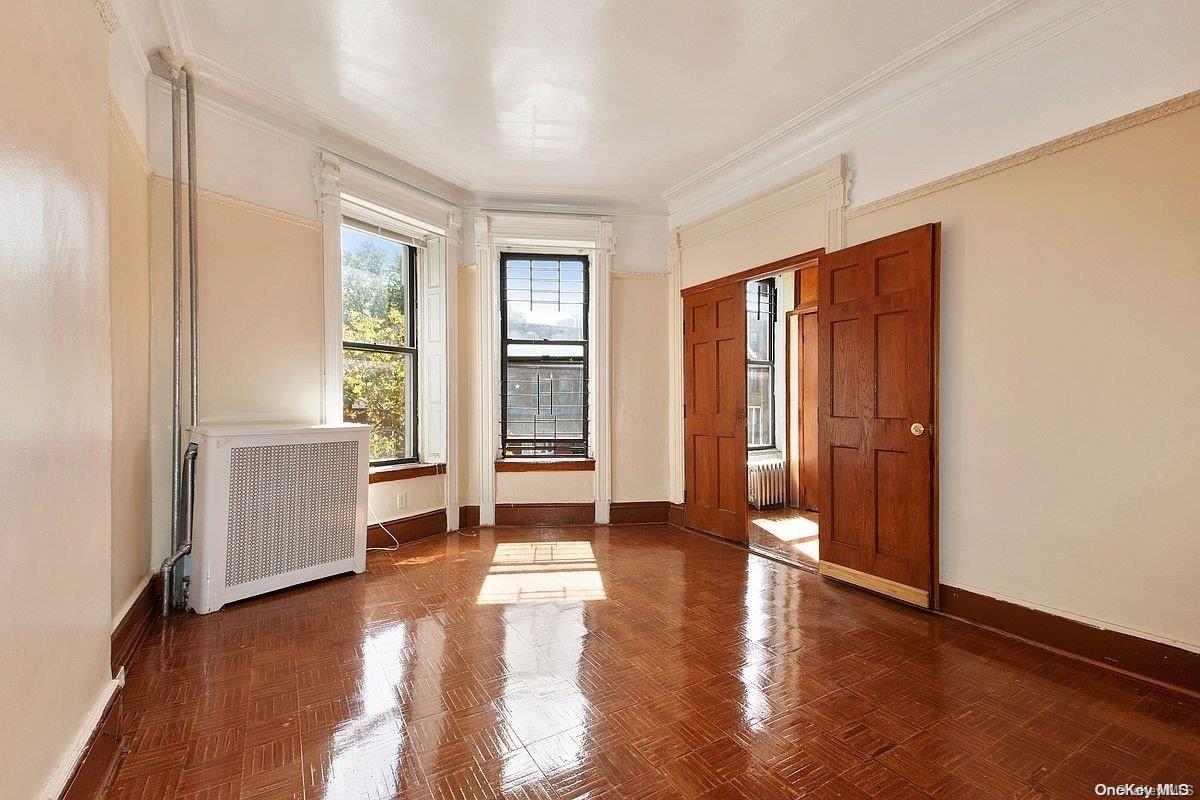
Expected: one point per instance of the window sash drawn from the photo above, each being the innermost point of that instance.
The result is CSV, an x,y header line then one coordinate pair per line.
x,y
762,293
410,412
565,444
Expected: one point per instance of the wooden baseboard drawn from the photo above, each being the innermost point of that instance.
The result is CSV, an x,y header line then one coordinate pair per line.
x,y
1162,663
676,514
410,529
545,514
468,516
128,635
638,513
95,767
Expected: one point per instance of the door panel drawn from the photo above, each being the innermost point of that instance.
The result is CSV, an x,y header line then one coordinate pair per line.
x,y
876,373
714,388
802,455
808,381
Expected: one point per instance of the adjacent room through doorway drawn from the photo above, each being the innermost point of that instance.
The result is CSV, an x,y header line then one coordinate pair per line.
x,y
781,415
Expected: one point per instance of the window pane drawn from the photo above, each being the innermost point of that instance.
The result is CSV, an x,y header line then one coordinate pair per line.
x,y
375,290
760,413
760,314
544,408
545,299
376,391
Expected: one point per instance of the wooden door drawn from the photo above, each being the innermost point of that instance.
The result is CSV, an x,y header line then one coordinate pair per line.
x,y
714,410
809,452
802,394
877,420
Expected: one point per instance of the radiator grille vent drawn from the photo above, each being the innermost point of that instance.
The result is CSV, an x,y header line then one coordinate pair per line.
x,y
291,506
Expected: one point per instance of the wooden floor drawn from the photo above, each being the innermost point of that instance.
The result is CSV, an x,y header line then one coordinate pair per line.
x,y
622,662
788,533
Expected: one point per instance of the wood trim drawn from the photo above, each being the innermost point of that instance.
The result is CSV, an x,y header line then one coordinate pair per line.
x,y
133,627
935,495
544,514
639,513
407,530
1166,108
572,465
874,583
676,514
468,516
791,262
404,473
1143,658
96,766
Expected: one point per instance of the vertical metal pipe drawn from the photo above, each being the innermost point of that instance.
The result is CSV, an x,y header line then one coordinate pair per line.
x,y
177,286
192,259
186,513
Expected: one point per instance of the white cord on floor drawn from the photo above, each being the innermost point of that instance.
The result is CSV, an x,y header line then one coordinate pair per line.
x,y
395,542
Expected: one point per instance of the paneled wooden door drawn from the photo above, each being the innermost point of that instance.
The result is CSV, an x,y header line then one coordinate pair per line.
x,y
803,453
877,371
714,410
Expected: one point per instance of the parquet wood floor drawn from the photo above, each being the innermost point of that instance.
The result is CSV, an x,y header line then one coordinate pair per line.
x,y
622,662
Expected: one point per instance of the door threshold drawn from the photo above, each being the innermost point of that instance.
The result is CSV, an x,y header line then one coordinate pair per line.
x,y
787,562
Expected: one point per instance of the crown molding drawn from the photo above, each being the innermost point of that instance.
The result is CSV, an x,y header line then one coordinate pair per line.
x,y
1122,123
303,109
989,37
108,15
132,38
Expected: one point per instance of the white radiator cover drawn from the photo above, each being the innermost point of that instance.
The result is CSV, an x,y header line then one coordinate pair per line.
x,y
276,505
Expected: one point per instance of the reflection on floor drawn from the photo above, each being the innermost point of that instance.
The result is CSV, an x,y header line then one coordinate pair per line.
x,y
785,532
685,669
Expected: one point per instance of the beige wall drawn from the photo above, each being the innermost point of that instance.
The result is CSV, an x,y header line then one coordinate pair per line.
x,y
261,308
1070,413
129,303
420,495
55,443
545,487
639,374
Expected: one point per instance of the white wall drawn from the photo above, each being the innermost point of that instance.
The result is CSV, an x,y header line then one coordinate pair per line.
x,y
56,440
1069,413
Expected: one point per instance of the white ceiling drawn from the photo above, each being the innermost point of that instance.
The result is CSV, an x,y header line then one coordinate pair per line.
x,y
624,98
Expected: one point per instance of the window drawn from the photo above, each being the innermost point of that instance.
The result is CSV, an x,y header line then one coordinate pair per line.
x,y
543,370
379,340
760,364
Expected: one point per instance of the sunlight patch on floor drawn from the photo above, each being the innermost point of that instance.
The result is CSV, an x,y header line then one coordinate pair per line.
x,y
542,572
800,534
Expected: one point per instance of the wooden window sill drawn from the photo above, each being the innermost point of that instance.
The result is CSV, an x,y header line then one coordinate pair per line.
x,y
545,465
404,472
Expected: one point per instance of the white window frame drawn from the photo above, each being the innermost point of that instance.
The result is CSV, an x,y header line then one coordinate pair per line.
x,y
345,189
497,232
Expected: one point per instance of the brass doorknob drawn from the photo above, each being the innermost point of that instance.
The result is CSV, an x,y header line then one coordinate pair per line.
x,y
917,429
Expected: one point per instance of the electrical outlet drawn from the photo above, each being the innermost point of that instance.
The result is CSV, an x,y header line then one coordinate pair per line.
x,y
401,500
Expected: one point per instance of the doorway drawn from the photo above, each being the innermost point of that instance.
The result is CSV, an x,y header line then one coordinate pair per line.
x,y
781,416
870,313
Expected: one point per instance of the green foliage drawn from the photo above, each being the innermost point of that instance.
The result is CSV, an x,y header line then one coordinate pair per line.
x,y
375,385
